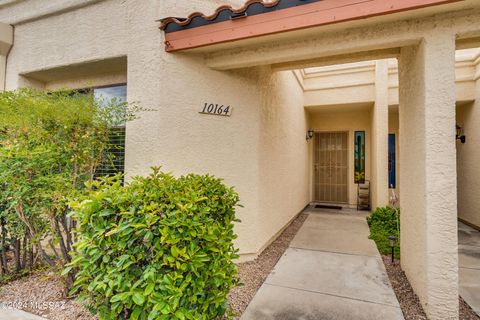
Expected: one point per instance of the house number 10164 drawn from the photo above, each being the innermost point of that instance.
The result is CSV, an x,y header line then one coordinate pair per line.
x,y
217,109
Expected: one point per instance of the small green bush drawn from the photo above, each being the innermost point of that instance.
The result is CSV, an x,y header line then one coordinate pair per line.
x,y
159,247
384,222
51,143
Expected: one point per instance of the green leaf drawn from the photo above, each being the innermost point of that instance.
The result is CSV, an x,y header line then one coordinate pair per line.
x,y
148,236
153,315
112,232
174,250
136,313
67,270
173,257
149,289
120,297
138,298
179,314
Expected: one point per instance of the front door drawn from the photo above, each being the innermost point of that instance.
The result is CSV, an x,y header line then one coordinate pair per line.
x,y
331,167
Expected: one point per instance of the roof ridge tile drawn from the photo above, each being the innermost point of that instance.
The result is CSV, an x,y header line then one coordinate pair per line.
x,y
181,23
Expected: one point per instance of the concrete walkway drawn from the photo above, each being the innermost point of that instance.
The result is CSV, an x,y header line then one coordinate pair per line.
x,y
15,314
330,271
469,265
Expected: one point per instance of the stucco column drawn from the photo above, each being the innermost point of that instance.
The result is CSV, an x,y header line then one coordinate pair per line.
x,y
379,184
428,172
6,42
3,65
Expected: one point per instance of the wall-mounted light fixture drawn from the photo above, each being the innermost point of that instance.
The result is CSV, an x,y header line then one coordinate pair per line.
x,y
310,134
460,136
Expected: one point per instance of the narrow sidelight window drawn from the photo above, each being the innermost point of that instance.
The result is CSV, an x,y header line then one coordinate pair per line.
x,y
359,156
392,174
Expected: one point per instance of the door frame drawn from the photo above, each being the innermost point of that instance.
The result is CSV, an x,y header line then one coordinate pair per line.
x,y
314,175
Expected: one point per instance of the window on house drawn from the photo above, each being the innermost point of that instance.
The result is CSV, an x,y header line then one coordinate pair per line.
x,y
359,156
392,174
114,160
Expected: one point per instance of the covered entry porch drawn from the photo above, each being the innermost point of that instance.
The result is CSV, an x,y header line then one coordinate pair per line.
x,y
424,42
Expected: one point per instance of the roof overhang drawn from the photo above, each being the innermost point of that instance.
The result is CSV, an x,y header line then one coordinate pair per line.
x,y
228,24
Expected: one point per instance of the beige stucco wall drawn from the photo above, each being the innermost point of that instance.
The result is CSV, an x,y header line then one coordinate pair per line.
x,y
180,139
260,150
347,121
6,42
428,171
357,82
284,167
379,166
88,81
100,38
3,63
340,84
243,149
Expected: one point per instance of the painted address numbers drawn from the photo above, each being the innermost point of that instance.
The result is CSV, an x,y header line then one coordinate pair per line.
x,y
216,109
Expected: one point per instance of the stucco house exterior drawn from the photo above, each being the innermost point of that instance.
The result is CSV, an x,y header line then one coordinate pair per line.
x,y
290,101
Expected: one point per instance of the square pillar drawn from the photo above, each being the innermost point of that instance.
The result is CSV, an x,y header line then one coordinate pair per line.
x,y
379,162
3,65
428,172
6,42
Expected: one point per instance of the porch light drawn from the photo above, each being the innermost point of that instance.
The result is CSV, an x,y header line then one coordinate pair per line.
x,y
310,134
393,241
460,136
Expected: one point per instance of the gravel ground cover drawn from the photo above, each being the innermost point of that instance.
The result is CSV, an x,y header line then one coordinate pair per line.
x,y
43,293
467,313
411,307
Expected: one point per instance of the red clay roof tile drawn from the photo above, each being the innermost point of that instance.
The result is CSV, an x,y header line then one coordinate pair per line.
x,y
172,24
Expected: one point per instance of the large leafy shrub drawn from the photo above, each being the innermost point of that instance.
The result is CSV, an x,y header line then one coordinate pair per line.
x,y
159,247
385,222
50,145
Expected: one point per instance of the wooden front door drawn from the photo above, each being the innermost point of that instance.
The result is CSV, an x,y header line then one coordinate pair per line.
x,y
331,167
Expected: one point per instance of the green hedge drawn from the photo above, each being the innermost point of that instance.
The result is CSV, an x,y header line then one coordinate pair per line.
x,y
159,247
51,143
385,222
